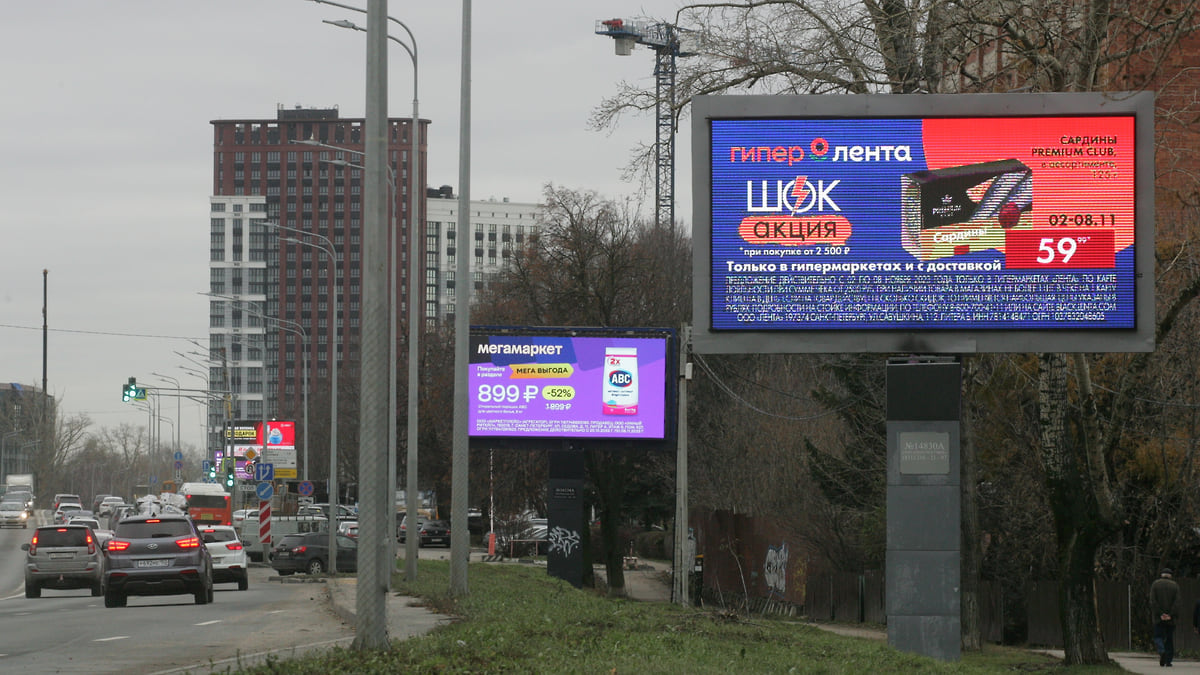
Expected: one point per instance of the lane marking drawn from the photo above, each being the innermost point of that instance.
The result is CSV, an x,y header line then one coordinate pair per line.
x,y
109,639
207,623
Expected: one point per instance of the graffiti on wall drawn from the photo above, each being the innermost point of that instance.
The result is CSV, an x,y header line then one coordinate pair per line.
x,y
775,569
563,540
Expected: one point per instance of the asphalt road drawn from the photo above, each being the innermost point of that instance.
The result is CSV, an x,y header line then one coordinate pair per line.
x,y
71,631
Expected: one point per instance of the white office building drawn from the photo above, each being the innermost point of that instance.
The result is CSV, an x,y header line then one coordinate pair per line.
x,y
498,227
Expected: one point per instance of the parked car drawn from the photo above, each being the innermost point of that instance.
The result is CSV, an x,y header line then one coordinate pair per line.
x,y
228,555
157,555
13,513
309,553
63,557
434,532
344,512
60,513
430,532
348,528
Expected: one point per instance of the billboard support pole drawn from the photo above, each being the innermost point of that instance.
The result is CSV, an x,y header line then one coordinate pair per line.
x,y
681,553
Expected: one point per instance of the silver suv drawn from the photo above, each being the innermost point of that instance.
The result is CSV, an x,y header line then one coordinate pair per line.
x,y
62,557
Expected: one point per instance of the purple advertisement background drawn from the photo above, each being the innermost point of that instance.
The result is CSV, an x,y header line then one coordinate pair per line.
x,y
496,412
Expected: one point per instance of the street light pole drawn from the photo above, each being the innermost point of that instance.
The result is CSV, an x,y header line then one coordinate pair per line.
x,y
178,403
393,292
370,607
333,394
415,242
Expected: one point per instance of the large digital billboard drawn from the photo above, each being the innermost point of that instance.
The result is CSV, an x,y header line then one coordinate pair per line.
x,y
923,223
570,383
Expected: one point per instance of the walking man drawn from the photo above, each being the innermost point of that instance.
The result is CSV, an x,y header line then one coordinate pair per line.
x,y
1164,602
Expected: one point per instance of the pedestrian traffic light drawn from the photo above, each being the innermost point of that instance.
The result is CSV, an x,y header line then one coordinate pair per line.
x,y
230,463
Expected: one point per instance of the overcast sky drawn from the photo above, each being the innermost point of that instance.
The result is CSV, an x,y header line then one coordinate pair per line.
x,y
107,152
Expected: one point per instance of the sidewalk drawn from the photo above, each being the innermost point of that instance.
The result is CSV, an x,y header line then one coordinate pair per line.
x,y
1130,661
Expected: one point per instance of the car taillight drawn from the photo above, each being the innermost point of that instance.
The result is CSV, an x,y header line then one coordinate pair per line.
x,y
91,544
33,546
234,546
188,542
300,549
116,545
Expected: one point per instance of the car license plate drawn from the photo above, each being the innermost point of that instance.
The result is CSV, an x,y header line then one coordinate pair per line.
x,y
61,556
154,563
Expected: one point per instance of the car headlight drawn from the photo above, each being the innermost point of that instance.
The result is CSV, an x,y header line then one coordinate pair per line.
x,y
23,515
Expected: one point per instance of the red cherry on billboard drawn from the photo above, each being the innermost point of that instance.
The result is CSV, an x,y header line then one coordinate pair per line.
x,y
1010,215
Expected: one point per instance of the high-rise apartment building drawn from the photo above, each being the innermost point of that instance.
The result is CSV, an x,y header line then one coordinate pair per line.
x,y
273,179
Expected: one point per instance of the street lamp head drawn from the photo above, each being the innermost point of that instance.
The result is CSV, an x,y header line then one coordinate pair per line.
x,y
343,23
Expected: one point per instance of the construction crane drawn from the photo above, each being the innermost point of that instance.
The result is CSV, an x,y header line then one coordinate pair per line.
x,y
664,39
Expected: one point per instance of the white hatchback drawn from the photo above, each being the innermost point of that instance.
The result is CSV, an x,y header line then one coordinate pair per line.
x,y
228,555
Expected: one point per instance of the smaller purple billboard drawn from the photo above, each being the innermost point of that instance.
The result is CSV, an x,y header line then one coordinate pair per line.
x,y
568,386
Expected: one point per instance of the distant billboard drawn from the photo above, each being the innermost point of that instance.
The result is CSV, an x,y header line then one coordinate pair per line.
x,y
570,383
281,446
923,223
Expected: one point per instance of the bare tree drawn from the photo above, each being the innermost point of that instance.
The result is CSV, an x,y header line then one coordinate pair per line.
x,y
594,263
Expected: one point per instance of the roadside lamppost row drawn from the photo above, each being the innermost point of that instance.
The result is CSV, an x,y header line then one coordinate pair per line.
x,y
329,249
178,403
393,293
295,329
414,298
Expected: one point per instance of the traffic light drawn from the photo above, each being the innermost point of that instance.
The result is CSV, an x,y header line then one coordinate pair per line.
x,y
212,472
129,390
230,463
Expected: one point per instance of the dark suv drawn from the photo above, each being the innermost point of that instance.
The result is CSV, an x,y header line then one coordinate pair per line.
x,y
63,556
157,555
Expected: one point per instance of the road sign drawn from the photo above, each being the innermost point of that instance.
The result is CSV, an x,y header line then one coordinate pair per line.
x,y
178,465
251,454
306,488
248,467
264,471
205,466
265,491
153,480
178,455
264,525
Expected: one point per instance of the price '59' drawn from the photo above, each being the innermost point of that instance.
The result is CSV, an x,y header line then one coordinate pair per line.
x,y
1075,248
